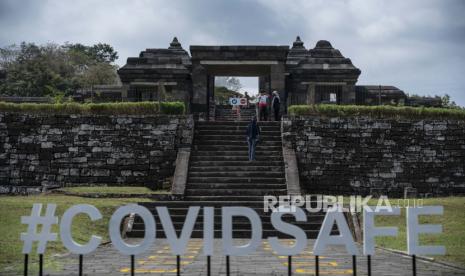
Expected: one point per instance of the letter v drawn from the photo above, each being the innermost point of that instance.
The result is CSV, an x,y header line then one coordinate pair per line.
x,y
178,245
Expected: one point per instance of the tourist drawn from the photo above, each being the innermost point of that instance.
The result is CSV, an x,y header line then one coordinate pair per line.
x,y
253,135
263,106
247,98
276,104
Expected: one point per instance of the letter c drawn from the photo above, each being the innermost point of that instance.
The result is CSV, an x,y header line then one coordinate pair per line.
x,y
65,228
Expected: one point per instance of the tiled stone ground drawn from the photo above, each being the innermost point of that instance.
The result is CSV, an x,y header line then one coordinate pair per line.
x,y
159,261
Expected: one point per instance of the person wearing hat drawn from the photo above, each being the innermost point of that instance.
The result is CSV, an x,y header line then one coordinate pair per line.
x,y
276,104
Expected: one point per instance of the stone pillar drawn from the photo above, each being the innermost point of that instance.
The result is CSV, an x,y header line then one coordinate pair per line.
x,y
211,97
263,83
311,98
278,78
199,91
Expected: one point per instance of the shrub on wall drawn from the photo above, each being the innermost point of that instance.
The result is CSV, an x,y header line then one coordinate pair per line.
x,y
172,108
381,111
129,108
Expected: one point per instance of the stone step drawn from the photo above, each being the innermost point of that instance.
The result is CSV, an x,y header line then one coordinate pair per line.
x,y
268,154
236,127
232,163
176,212
183,204
233,174
223,179
255,168
243,147
237,234
200,142
235,158
272,133
268,123
227,192
245,225
241,186
177,217
228,198
230,137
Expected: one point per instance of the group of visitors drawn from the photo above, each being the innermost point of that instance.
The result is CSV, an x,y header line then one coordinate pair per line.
x,y
253,130
264,105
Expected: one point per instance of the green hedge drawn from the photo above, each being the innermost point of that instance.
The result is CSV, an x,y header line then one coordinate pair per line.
x,y
382,111
129,108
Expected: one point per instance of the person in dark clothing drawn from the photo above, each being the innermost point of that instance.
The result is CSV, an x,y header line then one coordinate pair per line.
x,y
253,135
276,104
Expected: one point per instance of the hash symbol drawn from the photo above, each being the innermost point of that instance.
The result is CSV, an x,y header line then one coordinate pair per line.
x,y
33,221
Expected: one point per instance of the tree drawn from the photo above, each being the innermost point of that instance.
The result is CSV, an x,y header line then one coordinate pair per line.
x,y
52,69
230,83
447,102
100,52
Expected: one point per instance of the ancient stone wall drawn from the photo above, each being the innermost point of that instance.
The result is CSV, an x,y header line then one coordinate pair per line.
x,y
46,151
378,156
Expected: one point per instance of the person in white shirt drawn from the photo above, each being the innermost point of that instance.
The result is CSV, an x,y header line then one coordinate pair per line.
x,y
263,106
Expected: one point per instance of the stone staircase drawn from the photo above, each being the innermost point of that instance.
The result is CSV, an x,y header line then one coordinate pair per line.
x,y
226,113
221,175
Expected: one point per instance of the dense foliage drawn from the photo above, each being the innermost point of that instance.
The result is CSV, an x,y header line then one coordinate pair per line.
x,y
129,108
55,70
382,111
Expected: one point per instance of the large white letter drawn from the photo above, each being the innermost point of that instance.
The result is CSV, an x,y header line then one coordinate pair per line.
x,y
178,246
290,229
414,228
208,230
65,228
370,231
334,215
150,229
227,230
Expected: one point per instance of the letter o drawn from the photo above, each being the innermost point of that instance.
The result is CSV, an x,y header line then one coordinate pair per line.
x,y
150,229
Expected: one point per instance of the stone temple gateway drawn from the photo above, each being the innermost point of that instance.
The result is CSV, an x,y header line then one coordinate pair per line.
x,y
301,76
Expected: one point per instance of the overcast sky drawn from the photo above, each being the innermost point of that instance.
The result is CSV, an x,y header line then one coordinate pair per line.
x,y
416,45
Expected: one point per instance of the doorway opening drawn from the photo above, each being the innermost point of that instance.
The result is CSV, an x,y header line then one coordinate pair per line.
x,y
234,87
226,91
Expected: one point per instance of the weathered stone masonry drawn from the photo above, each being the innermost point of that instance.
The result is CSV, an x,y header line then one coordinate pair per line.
x,y
45,151
365,155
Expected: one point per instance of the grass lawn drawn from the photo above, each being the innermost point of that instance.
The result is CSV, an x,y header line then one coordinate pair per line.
x,y
13,207
453,223
112,190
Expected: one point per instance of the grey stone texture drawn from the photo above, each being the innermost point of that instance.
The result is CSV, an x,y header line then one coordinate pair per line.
x,y
363,155
49,151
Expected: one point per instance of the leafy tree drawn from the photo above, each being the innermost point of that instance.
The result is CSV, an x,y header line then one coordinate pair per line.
x,y
52,69
447,102
230,83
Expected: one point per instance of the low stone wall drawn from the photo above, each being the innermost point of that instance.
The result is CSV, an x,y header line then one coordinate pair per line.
x,y
378,156
59,150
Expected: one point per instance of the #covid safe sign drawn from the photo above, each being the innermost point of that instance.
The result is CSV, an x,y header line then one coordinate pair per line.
x,y
178,244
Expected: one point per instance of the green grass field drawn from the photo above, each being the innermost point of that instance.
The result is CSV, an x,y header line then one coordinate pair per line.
x,y
13,207
453,223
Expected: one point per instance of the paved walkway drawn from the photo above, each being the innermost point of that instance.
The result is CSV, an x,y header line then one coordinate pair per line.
x,y
159,261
